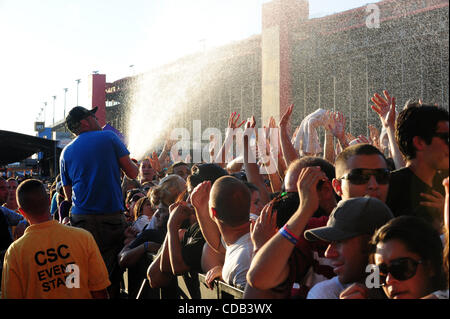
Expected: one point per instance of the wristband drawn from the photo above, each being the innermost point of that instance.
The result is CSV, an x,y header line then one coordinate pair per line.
x,y
146,246
288,235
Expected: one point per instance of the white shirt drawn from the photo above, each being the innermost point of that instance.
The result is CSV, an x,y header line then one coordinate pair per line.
x,y
237,262
141,222
307,133
328,289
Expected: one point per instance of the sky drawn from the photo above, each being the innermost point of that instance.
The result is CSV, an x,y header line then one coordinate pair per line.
x,y
47,45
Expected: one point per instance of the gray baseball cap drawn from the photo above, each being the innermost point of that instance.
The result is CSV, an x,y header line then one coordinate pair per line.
x,y
352,217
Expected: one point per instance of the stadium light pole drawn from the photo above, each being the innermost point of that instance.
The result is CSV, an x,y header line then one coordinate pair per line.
x,y
45,112
78,83
65,93
54,104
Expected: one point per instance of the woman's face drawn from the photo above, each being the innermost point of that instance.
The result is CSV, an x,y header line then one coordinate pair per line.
x,y
415,287
147,209
146,171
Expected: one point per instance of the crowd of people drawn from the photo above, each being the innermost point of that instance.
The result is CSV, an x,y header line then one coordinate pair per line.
x,y
311,229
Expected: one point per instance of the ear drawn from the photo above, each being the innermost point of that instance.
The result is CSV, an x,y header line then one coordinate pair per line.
x,y
24,214
337,186
418,143
213,212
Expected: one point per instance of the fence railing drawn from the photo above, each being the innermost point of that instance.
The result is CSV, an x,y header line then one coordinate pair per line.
x,y
188,286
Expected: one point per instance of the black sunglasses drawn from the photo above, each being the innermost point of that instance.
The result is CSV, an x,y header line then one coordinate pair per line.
x,y
401,269
443,136
360,176
136,197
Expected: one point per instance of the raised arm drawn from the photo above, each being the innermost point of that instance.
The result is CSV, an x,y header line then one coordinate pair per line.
x,y
164,154
287,149
328,148
179,213
200,201
385,108
220,158
250,165
128,167
273,256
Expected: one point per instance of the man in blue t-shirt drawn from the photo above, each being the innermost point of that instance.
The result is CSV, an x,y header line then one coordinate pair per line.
x,y
90,173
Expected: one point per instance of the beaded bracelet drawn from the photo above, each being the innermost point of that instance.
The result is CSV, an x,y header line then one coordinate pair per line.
x,y
288,235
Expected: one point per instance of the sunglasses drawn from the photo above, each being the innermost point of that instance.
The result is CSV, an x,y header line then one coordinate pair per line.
x,y
361,176
443,136
401,269
136,197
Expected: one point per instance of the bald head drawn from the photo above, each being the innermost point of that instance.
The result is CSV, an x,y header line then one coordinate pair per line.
x,y
230,198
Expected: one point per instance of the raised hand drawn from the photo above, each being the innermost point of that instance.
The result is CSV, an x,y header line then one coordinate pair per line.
x,y
178,212
336,124
307,187
168,144
232,122
200,196
264,227
385,108
154,162
286,119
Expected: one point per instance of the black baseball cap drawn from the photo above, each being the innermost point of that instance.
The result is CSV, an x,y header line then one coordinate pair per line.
x,y
77,114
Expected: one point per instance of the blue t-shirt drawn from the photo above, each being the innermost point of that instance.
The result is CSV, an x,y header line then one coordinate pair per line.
x,y
90,164
54,205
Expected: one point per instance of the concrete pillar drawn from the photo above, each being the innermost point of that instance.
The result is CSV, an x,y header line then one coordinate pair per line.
x,y
97,95
279,19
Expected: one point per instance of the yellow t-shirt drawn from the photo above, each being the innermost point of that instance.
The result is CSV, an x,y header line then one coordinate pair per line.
x,y
35,264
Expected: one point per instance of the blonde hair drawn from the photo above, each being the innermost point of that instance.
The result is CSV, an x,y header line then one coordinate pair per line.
x,y
167,190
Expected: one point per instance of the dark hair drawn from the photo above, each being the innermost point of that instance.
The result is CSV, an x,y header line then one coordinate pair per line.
x,y
353,150
417,120
240,175
139,205
174,165
125,182
419,237
32,197
310,161
131,193
252,187
204,172
285,204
